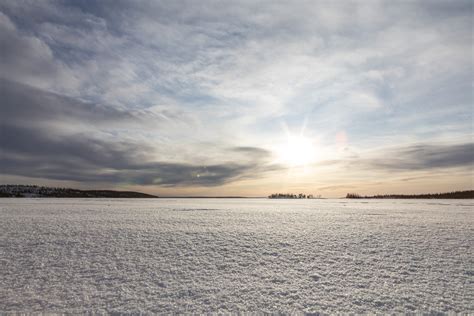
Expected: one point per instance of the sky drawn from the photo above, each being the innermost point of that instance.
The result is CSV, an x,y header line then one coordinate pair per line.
x,y
247,98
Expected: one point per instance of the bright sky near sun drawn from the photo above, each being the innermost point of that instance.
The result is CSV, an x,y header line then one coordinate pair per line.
x,y
238,97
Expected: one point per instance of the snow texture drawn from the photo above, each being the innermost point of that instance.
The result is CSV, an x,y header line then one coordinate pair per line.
x,y
236,255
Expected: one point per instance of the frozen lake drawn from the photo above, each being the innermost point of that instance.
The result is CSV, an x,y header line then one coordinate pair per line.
x,y
230,255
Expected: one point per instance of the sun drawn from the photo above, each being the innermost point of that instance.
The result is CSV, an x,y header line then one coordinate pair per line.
x,y
298,151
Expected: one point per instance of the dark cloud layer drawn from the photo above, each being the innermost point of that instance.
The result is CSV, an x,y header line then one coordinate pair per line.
x,y
419,157
37,153
33,146
254,152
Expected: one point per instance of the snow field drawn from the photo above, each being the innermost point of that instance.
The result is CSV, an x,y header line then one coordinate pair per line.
x,y
236,255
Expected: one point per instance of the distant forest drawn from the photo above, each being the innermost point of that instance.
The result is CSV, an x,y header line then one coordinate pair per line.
x,y
10,190
292,196
450,195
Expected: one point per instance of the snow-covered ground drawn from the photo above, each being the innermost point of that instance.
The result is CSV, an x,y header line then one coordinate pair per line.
x,y
230,255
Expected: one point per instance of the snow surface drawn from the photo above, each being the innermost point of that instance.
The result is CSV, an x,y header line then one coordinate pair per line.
x,y
231,255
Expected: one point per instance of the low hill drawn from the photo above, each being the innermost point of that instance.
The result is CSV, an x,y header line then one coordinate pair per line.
x,y
39,191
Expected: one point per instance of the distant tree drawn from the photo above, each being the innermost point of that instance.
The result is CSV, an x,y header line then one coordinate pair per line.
x,y
290,196
353,196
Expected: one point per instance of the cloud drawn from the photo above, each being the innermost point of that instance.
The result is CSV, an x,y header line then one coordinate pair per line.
x,y
35,152
29,60
36,142
47,135
417,157
254,152
22,104
171,175
257,61
425,156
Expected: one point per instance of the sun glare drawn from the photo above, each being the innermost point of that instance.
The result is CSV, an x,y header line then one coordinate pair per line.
x,y
298,151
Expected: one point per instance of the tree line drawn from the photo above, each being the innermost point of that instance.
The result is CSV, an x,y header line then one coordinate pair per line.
x,y
292,196
449,195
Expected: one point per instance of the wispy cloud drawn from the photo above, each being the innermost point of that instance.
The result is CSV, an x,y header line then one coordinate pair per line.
x,y
426,156
417,157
